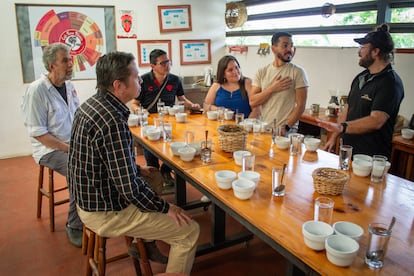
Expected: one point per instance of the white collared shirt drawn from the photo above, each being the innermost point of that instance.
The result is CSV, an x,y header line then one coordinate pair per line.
x,y
45,111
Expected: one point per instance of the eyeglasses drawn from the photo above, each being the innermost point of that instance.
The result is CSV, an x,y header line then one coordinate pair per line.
x,y
164,62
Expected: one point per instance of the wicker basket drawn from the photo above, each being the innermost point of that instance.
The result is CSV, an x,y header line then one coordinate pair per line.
x,y
328,181
232,138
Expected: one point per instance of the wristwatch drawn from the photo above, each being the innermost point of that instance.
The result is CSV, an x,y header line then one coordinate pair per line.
x,y
344,126
287,127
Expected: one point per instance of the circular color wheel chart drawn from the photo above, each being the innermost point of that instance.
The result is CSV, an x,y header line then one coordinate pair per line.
x,y
74,29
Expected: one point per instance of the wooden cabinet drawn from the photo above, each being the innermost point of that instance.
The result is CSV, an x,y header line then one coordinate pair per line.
x,y
402,157
309,126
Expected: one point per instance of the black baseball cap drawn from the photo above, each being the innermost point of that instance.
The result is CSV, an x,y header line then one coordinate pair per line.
x,y
380,38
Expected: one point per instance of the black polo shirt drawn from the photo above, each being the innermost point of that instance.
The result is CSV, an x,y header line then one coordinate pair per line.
x,y
150,88
384,92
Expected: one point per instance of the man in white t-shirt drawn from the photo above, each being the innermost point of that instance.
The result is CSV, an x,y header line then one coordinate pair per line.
x,y
281,87
48,107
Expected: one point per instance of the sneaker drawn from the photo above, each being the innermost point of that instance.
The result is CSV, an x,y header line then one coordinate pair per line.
x,y
153,252
75,236
205,199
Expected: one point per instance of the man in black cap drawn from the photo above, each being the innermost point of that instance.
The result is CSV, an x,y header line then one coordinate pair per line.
x,y
367,121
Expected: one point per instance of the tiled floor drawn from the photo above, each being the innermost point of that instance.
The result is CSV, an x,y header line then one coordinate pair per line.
x,y
27,247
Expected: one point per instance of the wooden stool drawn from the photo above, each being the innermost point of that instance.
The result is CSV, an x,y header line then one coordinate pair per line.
x,y
50,193
94,246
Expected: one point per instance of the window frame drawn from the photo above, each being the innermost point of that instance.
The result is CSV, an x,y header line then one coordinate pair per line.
x,y
383,8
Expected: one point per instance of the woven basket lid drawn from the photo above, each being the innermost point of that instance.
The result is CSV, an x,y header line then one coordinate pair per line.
x,y
235,14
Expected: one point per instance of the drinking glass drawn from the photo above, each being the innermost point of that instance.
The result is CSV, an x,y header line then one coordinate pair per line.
x,y
377,244
278,183
167,132
206,149
158,122
181,106
188,136
220,114
248,162
345,155
295,143
379,163
160,107
239,118
257,127
323,209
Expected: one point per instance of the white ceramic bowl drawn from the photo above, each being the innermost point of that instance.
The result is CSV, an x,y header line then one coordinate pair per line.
x,y
348,229
361,167
312,144
341,250
228,115
250,175
212,114
265,127
248,126
238,156
187,153
181,117
146,128
407,133
153,134
172,110
243,188
315,233
133,120
175,146
197,146
225,179
180,108
362,157
282,142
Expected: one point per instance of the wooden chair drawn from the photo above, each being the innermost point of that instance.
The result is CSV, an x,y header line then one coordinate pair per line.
x,y
94,246
50,194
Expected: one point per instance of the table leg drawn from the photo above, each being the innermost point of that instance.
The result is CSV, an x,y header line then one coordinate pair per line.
x,y
218,233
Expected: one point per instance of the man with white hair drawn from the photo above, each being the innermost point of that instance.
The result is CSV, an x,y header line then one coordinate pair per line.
x,y
49,105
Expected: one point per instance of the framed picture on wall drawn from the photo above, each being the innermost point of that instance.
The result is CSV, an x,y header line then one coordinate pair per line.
x,y
146,46
195,52
174,18
89,31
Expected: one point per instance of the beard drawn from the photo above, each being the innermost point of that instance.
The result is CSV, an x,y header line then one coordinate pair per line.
x,y
366,61
282,58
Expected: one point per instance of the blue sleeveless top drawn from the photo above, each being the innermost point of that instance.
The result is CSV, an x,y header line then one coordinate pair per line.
x,y
233,101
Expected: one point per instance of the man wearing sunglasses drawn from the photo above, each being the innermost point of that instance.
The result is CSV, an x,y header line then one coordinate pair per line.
x,y
160,84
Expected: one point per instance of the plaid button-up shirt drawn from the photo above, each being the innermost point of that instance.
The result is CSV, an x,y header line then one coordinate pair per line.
x,y
102,173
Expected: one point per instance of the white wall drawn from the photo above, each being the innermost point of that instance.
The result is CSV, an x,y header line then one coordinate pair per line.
x,y
207,23
327,68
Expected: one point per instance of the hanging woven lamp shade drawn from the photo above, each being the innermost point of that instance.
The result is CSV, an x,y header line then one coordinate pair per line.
x,y
236,14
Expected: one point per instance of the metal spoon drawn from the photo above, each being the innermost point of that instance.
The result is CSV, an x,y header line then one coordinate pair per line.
x,y
391,224
206,138
282,186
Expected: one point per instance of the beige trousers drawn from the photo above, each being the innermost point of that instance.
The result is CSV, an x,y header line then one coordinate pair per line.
x,y
156,226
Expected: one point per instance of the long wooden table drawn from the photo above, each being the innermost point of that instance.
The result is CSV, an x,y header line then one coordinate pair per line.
x,y
278,221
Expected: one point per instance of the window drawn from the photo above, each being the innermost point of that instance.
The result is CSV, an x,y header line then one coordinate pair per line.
x,y
305,21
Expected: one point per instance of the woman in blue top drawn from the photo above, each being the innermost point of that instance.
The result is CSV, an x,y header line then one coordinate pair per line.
x,y
231,89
